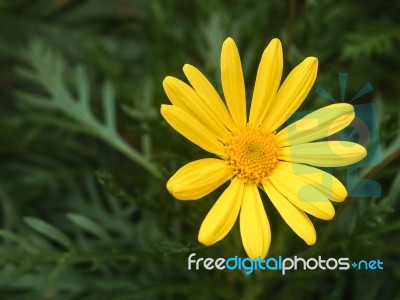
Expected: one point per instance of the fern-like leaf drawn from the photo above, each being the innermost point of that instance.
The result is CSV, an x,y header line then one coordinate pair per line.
x,y
49,71
372,39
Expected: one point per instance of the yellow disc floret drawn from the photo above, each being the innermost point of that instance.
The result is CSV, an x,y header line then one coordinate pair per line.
x,y
252,153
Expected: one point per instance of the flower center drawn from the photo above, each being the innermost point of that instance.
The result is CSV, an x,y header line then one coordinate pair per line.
x,y
252,153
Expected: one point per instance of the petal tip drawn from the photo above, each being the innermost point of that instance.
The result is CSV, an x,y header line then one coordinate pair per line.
x,y
167,82
204,239
254,254
173,189
164,109
276,46
167,78
311,240
170,186
276,42
312,60
364,152
343,196
229,42
360,152
330,214
187,67
311,63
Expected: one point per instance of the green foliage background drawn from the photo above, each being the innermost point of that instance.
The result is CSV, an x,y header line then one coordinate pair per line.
x,y
85,154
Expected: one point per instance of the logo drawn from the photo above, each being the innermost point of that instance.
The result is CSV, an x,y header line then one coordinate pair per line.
x,y
280,264
363,130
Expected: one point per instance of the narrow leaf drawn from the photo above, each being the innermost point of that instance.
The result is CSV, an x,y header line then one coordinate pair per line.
x,y
109,106
48,230
89,225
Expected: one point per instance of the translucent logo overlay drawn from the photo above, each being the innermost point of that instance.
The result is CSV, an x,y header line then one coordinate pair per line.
x,y
362,130
284,265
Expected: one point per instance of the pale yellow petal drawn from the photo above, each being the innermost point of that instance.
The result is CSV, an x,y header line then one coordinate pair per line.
x,y
268,78
191,129
209,95
322,181
291,94
324,154
222,216
182,95
302,195
199,178
254,225
233,82
294,217
316,125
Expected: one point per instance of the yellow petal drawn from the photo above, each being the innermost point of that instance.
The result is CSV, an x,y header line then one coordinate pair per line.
x,y
322,181
324,154
294,217
291,94
199,178
302,195
254,225
220,219
269,76
233,82
209,95
191,129
318,124
183,96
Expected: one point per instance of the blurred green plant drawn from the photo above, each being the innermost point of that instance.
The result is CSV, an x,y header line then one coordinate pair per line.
x,y
84,211
49,69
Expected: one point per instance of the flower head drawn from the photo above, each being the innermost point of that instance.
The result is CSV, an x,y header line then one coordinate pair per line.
x,y
251,154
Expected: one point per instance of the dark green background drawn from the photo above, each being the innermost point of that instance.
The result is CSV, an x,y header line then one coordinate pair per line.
x,y
81,218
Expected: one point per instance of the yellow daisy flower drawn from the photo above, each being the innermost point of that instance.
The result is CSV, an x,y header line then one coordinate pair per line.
x,y
250,152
